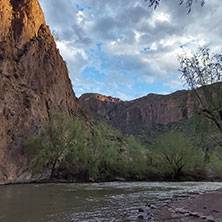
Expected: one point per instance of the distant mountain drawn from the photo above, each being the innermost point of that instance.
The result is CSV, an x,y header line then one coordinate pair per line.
x,y
143,117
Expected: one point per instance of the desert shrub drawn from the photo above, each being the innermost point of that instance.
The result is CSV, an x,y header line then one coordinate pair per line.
x,y
175,155
70,150
104,152
52,143
137,164
215,164
108,155
79,153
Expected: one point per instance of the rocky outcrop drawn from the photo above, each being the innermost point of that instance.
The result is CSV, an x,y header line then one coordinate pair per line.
x,y
142,116
34,82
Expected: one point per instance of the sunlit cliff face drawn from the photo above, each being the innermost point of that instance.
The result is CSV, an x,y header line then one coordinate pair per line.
x,y
108,99
21,18
34,83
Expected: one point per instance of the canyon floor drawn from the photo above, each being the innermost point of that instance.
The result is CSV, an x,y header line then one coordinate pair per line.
x,y
201,208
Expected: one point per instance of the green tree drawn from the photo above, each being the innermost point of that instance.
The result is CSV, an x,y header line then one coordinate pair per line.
x,y
137,164
176,153
215,164
79,152
53,143
104,151
72,150
202,72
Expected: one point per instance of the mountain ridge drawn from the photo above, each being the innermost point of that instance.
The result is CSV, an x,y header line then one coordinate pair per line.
x,y
148,112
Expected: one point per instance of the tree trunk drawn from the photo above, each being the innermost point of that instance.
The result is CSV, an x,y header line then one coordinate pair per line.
x,y
53,171
177,173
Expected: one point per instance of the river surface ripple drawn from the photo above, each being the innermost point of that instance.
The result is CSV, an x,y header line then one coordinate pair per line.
x,y
114,201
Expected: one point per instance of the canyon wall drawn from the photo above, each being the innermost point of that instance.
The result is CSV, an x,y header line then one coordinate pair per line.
x,y
143,116
34,83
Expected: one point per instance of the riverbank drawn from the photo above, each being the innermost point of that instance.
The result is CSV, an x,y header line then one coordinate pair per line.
x,y
201,208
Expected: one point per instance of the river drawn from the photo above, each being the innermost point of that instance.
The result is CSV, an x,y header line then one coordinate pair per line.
x,y
114,201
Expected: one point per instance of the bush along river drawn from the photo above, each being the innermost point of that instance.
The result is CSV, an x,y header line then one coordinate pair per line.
x,y
113,201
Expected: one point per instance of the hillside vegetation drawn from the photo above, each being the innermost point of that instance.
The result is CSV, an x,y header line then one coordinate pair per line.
x,y
67,149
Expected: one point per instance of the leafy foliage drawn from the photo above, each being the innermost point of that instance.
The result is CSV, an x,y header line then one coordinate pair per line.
x,y
176,154
52,144
201,68
101,153
114,155
215,164
188,3
72,151
137,165
204,70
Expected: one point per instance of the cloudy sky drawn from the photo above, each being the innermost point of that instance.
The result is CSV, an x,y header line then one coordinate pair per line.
x,y
125,49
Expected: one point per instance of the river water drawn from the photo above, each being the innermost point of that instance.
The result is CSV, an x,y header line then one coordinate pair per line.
x,y
114,201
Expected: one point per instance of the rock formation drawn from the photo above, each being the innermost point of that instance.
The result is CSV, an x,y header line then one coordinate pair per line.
x,y
142,116
34,82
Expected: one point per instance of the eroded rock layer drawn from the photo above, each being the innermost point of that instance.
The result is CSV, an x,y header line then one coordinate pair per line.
x,y
34,82
142,117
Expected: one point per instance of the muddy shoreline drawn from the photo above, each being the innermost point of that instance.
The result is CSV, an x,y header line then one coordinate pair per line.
x,y
200,207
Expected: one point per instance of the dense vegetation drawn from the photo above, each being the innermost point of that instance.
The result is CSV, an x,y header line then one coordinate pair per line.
x,y
70,150
177,154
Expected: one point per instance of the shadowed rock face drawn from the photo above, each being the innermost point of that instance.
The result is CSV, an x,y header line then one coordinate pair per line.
x,y
34,82
140,116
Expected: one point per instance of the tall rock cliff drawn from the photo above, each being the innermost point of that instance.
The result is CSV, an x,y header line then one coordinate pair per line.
x,y
34,82
143,117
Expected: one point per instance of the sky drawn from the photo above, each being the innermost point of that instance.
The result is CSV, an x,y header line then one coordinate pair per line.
x,y
125,49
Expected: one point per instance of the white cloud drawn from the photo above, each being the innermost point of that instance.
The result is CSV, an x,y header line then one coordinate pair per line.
x,y
175,84
159,17
75,58
137,41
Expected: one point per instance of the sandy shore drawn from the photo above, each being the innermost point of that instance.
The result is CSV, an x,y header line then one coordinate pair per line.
x,y
203,207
